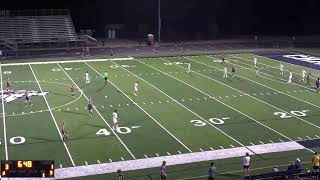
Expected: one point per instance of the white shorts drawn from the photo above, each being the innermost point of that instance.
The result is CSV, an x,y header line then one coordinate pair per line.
x,y
87,80
115,121
135,89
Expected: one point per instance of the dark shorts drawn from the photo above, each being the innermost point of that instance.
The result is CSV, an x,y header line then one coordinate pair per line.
x,y
315,167
211,178
27,98
246,167
105,78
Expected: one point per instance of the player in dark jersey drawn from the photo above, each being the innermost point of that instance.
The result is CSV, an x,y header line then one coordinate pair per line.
x,y
308,79
90,107
28,99
233,71
8,84
223,60
64,133
72,90
318,84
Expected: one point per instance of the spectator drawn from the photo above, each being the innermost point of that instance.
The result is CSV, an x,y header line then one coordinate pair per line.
x,y
212,171
163,173
298,165
291,167
120,175
1,54
246,164
315,161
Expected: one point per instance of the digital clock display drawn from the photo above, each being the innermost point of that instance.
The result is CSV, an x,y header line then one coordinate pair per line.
x,y
27,168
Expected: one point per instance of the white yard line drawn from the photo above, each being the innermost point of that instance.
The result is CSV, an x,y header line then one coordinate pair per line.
x,y
99,113
67,61
249,95
221,102
155,162
182,105
3,116
142,109
54,119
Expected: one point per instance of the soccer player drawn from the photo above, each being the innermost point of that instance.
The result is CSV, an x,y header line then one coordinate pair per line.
x,y
64,133
72,90
136,86
8,84
223,60
28,99
246,165
106,77
255,62
290,77
115,120
189,67
318,84
90,106
308,79
233,70
281,68
87,78
225,72
303,75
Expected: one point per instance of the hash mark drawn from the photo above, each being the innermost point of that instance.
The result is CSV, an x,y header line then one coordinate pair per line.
x,y
157,154
201,149
151,102
122,159
211,148
168,153
160,102
271,141
308,137
179,152
190,99
281,140
128,105
231,145
98,161
299,138
111,105
60,165
227,96
110,160
146,156
86,163
261,142
317,136
251,143
221,147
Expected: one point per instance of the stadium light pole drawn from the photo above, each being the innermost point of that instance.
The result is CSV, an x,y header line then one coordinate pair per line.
x,y
159,21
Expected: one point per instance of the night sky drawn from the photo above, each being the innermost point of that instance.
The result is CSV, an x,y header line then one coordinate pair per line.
x,y
189,18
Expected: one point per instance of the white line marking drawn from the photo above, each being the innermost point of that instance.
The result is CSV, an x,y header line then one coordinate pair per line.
x,y
122,158
231,145
157,154
140,106
99,114
179,152
271,141
110,160
146,156
308,137
261,142
201,149
211,148
86,163
281,140
98,161
221,147
53,118
317,136
3,116
168,153
299,138
251,143
60,165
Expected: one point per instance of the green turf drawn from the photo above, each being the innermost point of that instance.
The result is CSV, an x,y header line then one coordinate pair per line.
x,y
174,112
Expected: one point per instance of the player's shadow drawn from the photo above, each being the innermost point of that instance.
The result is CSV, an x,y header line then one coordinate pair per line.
x,y
100,89
92,125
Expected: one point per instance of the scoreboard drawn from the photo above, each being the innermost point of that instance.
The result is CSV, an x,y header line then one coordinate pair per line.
x,y
27,168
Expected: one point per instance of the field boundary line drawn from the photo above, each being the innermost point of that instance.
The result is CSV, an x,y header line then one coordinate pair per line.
x,y
185,107
267,85
125,146
146,163
249,94
54,119
66,61
3,116
223,103
142,110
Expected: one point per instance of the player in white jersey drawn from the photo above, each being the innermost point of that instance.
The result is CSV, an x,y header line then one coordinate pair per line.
x,y
290,77
115,120
281,69
87,78
225,72
303,75
189,67
255,62
135,87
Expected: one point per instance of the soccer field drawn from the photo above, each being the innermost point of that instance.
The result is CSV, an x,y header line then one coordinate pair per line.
x,y
178,116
